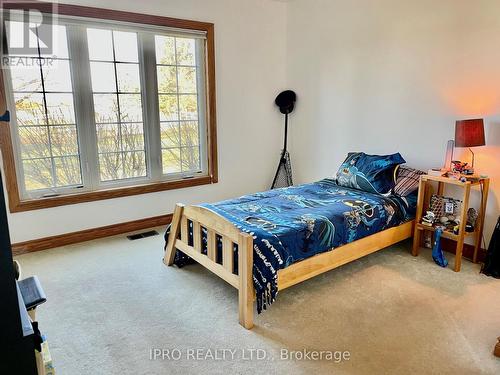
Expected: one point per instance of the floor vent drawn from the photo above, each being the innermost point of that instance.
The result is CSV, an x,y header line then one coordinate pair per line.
x,y
137,236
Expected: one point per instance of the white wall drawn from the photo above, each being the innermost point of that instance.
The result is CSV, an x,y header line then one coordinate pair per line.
x,y
373,75
250,40
382,76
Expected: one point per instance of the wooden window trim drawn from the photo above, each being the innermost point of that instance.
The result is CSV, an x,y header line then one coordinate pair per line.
x,y
16,204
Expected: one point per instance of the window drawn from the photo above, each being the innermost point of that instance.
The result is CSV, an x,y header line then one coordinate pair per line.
x,y
177,74
116,88
46,127
116,106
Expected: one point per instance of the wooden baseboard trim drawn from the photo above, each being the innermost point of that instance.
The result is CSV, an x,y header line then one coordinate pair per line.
x,y
467,251
89,234
155,221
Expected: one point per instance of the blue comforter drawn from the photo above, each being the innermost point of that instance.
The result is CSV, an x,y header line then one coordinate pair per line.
x,y
294,223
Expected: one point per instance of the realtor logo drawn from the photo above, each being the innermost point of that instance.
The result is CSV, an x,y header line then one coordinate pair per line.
x,y
28,28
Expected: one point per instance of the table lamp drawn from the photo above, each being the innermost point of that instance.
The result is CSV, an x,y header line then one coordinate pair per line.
x,y
469,133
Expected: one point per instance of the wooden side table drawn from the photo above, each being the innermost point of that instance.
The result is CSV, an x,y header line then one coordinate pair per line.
x,y
483,184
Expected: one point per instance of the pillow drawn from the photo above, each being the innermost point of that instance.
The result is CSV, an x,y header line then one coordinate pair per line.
x,y
370,173
407,181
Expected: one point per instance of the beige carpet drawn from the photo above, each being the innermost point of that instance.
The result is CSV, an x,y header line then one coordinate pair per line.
x,y
111,301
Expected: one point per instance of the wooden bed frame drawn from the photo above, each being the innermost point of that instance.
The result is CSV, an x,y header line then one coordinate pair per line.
x,y
217,226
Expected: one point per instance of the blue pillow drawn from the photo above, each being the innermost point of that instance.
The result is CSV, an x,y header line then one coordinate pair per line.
x,y
370,173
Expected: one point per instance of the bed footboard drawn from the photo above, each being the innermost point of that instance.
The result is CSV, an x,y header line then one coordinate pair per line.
x,y
218,229
222,264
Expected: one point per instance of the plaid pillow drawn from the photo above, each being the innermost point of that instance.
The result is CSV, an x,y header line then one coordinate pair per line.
x,y
407,181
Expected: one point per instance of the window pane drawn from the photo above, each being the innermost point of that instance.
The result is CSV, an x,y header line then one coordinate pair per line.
x,y
44,105
167,79
24,79
165,49
60,108
178,103
30,109
170,136
100,44
108,138
37,173
60,47
105,108
132,137
64,140
188,107
118,110
168,107
34,142
187,80
185,51
103,77
110,166
58,77
171,160
189,133
190,158
125,44
15,35
134,164
130,107
67,171
128,77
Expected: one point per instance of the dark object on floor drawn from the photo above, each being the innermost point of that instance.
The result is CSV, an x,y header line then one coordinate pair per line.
x,y
142,235
182,259
283,177
17,270
32,292
496,351
491,265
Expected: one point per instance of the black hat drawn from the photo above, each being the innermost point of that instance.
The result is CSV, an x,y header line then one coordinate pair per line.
x,y
285,100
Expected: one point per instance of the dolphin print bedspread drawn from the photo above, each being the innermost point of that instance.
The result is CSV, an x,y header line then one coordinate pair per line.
x,y
294,223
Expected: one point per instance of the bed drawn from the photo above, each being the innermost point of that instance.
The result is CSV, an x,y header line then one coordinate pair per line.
x,y
268,241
